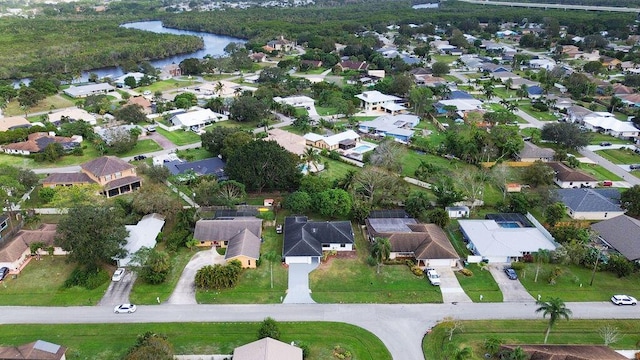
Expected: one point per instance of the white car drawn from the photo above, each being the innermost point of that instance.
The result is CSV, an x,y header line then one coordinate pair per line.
x,y
118,274
147,92
433,276
624,300
124,308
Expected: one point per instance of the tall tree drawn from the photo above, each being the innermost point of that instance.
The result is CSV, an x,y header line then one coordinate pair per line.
x,y
131,114
213,140
333,203
271,257
380,250
92,235
556,309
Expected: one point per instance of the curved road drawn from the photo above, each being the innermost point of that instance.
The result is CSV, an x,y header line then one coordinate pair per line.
x,y
400,327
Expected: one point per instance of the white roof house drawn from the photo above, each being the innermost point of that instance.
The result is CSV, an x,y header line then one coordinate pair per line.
x,y
331,142
398,126
143,234
119,81
295,101
497,243
604,121
86,90
72,114
462,104
197,119
375,100
267,349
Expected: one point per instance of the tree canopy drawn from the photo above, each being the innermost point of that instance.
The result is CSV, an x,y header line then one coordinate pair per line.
x,y
567,135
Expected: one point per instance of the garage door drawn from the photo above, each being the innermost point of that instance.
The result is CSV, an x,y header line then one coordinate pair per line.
x,y
441,262
298,260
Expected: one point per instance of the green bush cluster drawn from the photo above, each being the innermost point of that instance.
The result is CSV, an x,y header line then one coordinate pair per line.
x,y
466,272
517,265
88,279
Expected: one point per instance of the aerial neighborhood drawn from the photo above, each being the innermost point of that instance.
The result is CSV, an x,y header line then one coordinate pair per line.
x,y
412,156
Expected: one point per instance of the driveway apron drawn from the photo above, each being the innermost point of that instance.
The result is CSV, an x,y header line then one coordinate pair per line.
x,y
450,287
185,291
512,290
299,292
118,291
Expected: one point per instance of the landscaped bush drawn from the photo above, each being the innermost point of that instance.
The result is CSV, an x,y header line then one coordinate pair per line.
x,y
415,269
466,272
218,276
266,215
517,265
340,353
88,279
371,261
46,194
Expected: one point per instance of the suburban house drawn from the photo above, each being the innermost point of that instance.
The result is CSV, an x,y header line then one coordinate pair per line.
x,y
399,127
88,90
267,349
71,114
456,212
120,80
115,175
312,64
460,106
281,44
293,143
353,65
631,100
295,101
13,122
566,352
344,140
143,102
37,350
577,113
37,142
258,57
210,166
196,120
566,177
170,71
304,240
142,234
606,123
591,204
15,252
376,101
621,233
504,238
427,243
532,152
241,237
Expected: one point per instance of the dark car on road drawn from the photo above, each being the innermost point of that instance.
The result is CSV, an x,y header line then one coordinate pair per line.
x,y
605,143
511,274
3,272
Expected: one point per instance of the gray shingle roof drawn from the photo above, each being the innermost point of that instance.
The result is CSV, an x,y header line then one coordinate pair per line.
x,y
565,173
244,243
221,230
622,233
305,238
590,200
533,151
106,165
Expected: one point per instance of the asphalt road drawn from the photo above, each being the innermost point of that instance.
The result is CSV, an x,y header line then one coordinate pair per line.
x,y
400,327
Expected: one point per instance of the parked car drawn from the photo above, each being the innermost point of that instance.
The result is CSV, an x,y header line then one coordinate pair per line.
x,y
147,92
607,183
433,276
605,143
124,308
511,274
624,300
118,274
279,229
634,166
3,272
139,157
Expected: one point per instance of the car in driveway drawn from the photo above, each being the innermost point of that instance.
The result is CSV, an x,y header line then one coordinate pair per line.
x,y
279,229
3,272
432,276
624,300
511,274
125,309
118,274
605,143
634,166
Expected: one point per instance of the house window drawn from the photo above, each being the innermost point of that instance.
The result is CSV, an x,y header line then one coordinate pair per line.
x,y
107,178
117,175
248,262
605,214
571,183
326,245
226,243
3,225
343,245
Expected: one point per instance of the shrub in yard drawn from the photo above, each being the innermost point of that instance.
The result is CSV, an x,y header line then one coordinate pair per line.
x,y
46,194
269,328
86,278
340,353
517,265
371,261
528,258
409,263
466,272
415,269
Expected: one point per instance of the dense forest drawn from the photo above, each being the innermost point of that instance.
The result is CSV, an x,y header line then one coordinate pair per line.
x,y
46,45
621,3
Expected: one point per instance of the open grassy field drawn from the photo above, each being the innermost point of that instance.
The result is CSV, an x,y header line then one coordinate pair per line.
x,y
527,332
40,283
448,59
481,283
323,111
335,169
351,280
620,156
597,138
164,85
540,115
180,137
49,103
599,172
111,341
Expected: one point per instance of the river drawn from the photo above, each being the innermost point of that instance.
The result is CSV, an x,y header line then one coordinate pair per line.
x,y
213,45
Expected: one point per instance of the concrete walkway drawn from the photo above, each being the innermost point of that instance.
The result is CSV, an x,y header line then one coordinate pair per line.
x,y
185,291
299,291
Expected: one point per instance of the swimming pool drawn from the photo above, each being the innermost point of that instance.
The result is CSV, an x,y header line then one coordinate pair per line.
x,y
510,224
362,149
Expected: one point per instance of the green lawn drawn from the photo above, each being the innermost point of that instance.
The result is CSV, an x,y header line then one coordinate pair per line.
x,y
620,156
111,341
254,285
335,169
527,332
353,281
540,115
180,137
597,138
231,123
40,284
165,85
323,111
568,284
599,172
411,161
448,59
481,283
194,154
49,103
143,147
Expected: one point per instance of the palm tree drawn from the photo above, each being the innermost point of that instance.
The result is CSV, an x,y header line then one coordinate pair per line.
x,y
272,257
461,353
507,84
380,251
311,158
518,354
488,90
556,309
218,88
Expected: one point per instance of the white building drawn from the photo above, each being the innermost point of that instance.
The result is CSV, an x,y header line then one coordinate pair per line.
x,y
607,123
87,90
143,234
376,101
197,119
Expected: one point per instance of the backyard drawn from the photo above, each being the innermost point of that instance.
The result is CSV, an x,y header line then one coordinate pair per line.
x,y
48,104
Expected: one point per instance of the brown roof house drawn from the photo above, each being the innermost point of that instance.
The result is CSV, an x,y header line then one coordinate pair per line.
x,y
240,236
566,177
267,349
15,252
141,101
567,352
37,142
115,175
37,350
13,122
353,65
532,152
427,243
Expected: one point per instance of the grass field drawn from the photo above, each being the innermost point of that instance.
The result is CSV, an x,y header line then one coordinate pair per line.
x,y
250,126
180,137
40,283
481,283
49,103
336,169
165,85
540,115
620,156
111,341
323,111
448,59
193,154
474,333
599,172
597,138
353,281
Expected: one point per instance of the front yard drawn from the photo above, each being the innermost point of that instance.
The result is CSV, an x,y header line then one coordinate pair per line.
x,y
180,137
620,156
480,283
599,172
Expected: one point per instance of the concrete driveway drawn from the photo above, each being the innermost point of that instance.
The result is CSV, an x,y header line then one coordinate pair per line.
x,y
450,287
185,291
512,290
298,291
118,291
